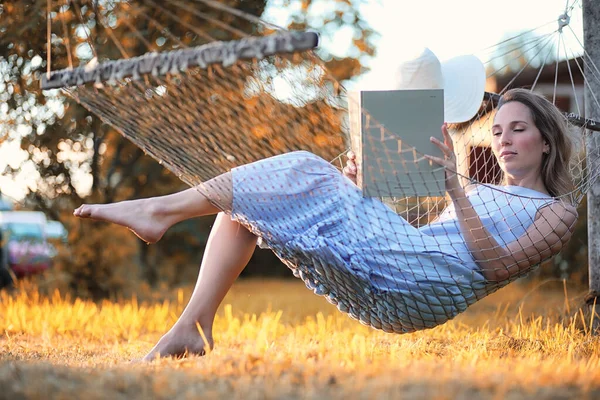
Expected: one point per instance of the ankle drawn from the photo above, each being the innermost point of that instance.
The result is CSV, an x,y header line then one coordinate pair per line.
x,y
159,211
153,207
194,327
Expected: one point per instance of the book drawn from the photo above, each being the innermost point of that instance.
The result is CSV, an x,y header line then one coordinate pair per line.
x,y
390,133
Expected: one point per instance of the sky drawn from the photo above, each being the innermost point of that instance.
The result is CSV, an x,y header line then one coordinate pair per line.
x,y
448,27
451,28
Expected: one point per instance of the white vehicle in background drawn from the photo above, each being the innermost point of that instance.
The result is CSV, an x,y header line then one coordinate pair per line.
x,y
5,204
24,245
56,231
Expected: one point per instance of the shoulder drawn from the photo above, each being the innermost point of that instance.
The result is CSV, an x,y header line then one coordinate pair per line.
x,y
558,214
472,186
560,208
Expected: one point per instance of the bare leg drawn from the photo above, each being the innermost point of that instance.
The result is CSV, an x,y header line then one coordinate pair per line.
x,y
150,218
228,251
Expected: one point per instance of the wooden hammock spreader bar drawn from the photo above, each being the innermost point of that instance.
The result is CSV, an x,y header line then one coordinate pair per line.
x,y
170,62
573,118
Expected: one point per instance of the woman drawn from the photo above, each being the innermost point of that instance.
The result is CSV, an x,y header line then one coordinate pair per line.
x,y
317,221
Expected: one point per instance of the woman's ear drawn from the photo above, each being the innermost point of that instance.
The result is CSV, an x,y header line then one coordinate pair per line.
x,y
546,148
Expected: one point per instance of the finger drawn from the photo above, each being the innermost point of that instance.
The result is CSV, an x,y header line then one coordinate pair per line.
x,y
442,163
443,147
351,164
436,160
351,155
445,133
349,171
446,147
447,138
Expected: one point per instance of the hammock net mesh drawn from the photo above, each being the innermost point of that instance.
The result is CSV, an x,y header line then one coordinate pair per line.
x,y
273,114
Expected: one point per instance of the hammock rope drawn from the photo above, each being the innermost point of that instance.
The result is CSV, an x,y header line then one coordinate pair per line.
x,y
398,264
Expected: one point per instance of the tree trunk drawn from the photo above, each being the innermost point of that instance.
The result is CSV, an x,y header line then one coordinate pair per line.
x,y
591,33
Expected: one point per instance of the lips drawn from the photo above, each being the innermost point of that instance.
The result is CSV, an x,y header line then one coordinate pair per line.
x,y
507,154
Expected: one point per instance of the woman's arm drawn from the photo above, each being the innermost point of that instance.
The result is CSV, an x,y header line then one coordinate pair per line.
x,y
551,229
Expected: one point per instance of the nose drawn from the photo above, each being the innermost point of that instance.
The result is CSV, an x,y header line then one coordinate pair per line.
x,y
505,139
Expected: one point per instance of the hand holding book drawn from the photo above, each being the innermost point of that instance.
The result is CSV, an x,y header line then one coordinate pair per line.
x,y
351,169
448,161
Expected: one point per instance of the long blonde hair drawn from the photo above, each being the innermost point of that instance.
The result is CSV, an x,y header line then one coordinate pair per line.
x,y
553,126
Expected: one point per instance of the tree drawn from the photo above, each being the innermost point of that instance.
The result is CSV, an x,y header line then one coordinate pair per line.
x,y
80,159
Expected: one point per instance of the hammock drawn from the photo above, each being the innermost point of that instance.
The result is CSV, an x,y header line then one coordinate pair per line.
x,y
213,107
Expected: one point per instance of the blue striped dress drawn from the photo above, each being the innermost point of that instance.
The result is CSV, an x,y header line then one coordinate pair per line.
x,y
360,254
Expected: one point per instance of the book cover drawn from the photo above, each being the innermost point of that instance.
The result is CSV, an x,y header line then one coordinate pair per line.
x,y
390,133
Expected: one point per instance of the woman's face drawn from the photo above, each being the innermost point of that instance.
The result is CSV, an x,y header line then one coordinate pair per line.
x,y
517,143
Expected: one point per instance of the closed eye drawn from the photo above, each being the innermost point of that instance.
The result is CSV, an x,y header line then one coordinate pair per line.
x,y
496,133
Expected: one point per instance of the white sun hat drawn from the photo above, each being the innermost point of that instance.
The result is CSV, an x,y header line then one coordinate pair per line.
x,y
462,78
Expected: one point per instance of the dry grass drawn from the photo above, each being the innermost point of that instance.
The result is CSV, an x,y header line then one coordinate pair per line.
x,y
275,339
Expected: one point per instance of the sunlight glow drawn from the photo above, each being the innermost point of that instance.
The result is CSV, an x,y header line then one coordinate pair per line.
x,y
276,339
448,28
453,28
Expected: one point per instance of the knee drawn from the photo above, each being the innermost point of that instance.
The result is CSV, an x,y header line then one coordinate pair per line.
x,y
307,161
240,230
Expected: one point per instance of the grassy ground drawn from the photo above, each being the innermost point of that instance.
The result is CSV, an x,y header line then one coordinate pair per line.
x,y
275,339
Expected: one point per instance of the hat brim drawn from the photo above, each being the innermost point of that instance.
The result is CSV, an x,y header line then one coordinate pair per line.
x,y
464,87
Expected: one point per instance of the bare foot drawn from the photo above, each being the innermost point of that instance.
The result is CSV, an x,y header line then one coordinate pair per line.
x,y
143,217
180,343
